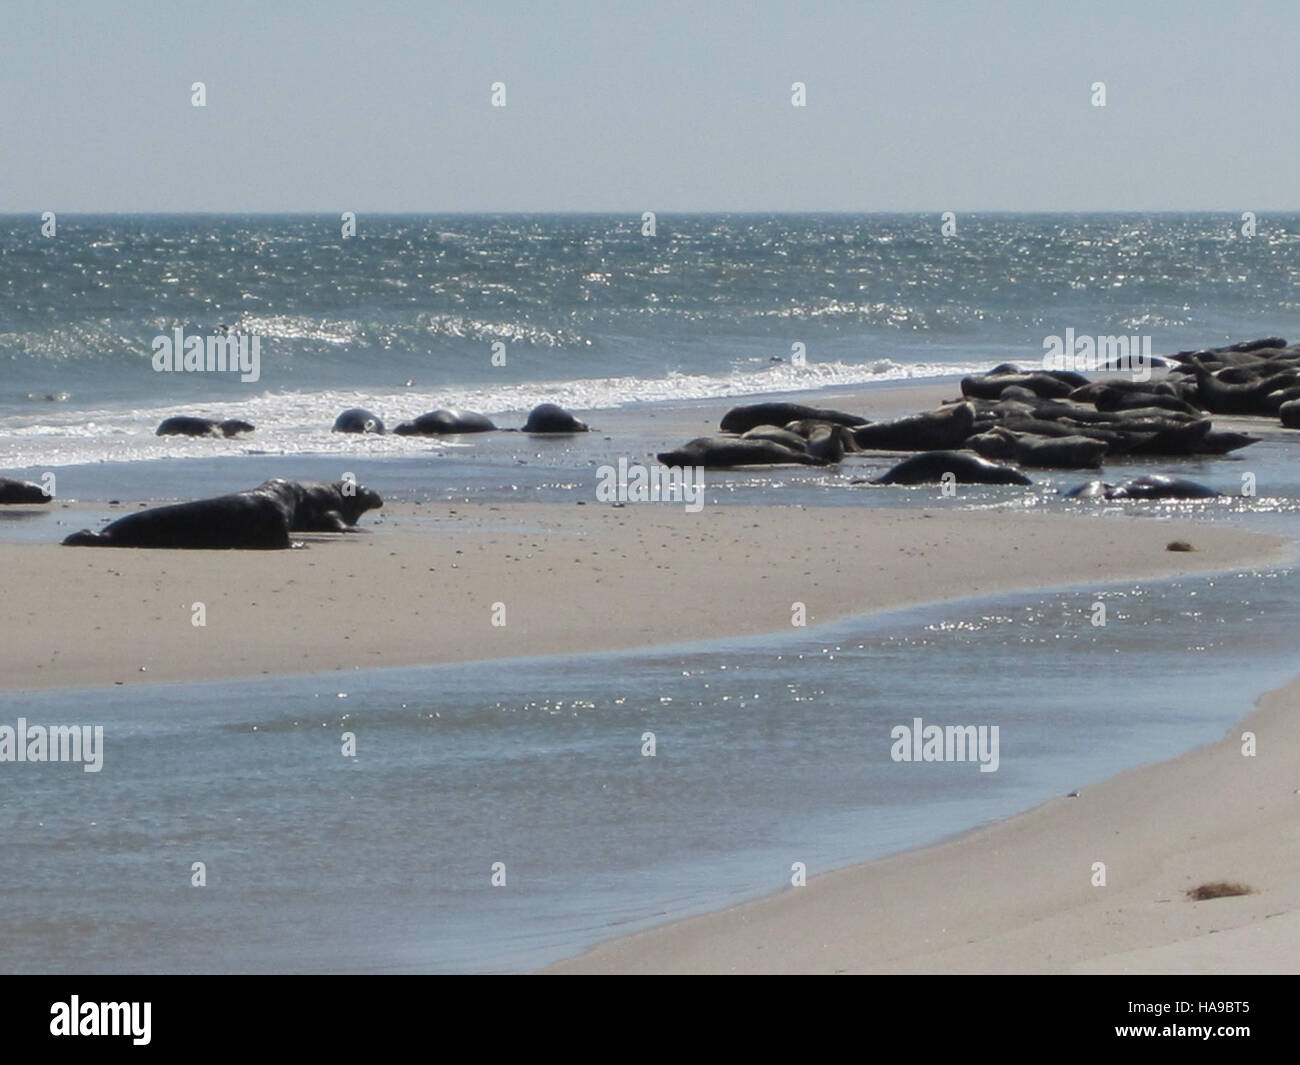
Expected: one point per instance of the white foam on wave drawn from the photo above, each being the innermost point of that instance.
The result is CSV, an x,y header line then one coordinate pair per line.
x,y
294,423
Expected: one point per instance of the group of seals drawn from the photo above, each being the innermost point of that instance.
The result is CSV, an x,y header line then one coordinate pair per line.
x,y
772,434
544,418
1257,377
1049,419
720,452
187,426
259,519
1127,417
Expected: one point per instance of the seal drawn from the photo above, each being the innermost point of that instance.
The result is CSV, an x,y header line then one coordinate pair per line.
x,y
1088,393
742,419
1289,413
828,443
718,452
929,467
1220,443
1150,486
1176,438
1040,452
947,427
446,423
186,426
549,418
805,428
1090,490
325,507
12,491
1112,399
1274,400
1117,441
255,520
1219,397
357,420
1043,384
785,437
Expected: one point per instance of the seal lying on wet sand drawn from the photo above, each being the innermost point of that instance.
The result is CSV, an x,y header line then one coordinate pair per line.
x,y
185,426
259,519
12,491
784,437
1151,486
722,451
742,419
445,423
929,467
1040,452
946,427
550,418
357,420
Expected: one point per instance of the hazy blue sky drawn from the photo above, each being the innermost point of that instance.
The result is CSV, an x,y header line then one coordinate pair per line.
x,y
332,106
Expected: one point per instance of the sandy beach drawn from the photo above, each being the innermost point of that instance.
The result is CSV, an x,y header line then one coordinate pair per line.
x,y
571,578
1017,897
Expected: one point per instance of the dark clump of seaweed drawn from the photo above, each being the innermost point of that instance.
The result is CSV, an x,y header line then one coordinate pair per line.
x,y
1220,889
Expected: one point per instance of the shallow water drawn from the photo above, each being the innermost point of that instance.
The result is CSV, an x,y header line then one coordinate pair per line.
x,y
769,751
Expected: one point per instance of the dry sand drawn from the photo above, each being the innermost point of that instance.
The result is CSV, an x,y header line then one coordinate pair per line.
x,y
421,589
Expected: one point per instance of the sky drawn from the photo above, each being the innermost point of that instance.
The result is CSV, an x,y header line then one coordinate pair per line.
x,y
339,105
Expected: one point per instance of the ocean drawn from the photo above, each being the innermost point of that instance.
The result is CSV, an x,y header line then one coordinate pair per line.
x,y
776,749
589,313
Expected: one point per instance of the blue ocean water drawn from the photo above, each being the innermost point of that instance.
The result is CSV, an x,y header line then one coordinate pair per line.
x,y
772,749
590,312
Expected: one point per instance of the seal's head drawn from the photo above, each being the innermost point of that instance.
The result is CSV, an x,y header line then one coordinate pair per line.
x,y
357,501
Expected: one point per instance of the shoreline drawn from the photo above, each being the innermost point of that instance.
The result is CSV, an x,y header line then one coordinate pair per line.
x,y
1019,895
419,588
571,579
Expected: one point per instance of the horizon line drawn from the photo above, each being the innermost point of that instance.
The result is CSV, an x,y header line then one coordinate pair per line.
x,y
331,212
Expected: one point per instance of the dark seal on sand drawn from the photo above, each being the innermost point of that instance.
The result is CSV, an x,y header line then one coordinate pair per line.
x,y
947,427
358,420
549,418
742,419
1150,486
260,519
929,467
445,423
184,426
720,452
12,491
